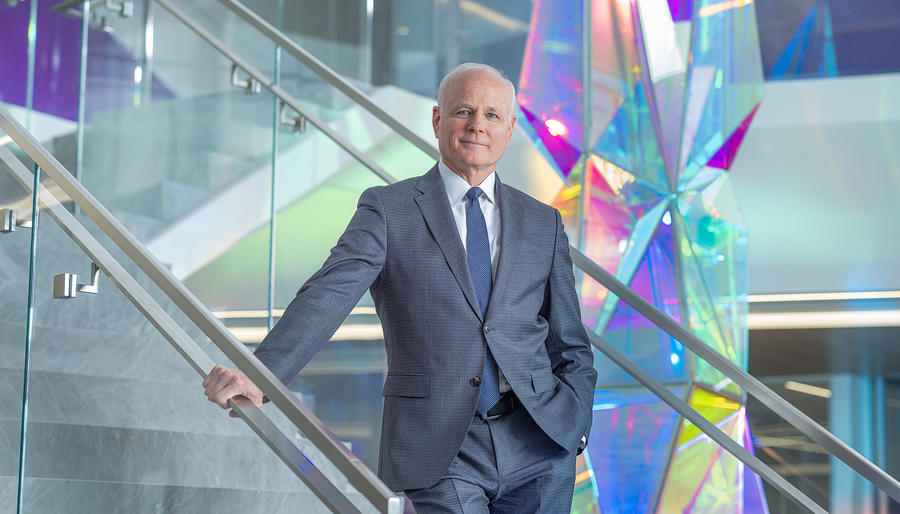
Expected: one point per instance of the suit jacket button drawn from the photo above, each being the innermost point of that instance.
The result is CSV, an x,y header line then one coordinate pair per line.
x,y
487,329
475,381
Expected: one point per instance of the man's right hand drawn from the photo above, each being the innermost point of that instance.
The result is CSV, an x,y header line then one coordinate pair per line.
x,y
223,384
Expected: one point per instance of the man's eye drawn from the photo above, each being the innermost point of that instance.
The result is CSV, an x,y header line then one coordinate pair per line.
x,y
462,112
493,116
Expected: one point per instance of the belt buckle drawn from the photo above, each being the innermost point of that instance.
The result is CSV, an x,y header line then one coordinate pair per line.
x,y
486,417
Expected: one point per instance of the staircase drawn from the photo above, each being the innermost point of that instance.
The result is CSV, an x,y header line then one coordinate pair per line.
x,y
117,419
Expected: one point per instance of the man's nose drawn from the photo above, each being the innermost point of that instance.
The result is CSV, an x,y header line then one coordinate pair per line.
x,y
476,124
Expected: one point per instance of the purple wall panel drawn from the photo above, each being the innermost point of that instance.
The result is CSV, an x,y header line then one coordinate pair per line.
x,y
110,77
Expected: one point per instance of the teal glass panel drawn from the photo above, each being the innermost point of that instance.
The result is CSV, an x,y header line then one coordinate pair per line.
x,y
633,255
652,349
620,215
15,254
666,43
726,79
719,243
713,255
622,127
629,140
552,84
703,477
631,436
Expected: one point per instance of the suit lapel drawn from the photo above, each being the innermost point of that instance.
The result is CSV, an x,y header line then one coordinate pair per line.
x,y
512,229
436,210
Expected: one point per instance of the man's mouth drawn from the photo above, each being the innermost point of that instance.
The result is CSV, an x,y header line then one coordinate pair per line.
x,y
475,143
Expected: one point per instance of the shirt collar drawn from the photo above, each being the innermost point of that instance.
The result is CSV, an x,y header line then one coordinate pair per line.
x,y
457,187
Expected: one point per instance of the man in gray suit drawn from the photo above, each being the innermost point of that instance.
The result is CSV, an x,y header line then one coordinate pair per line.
x,y
490,377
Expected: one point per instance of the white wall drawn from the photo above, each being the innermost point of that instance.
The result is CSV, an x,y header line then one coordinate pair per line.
x,y
818,179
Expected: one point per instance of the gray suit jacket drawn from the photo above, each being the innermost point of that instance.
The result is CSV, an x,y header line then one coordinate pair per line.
x,y
403,244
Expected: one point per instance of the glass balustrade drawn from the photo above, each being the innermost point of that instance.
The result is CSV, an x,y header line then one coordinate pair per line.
x,y
15,315
117,420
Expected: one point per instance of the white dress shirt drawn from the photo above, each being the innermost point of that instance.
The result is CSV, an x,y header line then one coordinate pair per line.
x,y
457,188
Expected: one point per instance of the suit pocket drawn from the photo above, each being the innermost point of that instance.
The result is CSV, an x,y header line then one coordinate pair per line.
x,y
542,380
410,385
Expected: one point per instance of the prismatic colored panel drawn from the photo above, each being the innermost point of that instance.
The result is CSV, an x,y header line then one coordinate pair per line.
x,y
641,107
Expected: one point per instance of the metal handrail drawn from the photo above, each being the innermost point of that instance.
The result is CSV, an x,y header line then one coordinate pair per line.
x,y
177,337
359,476
290,46
754,387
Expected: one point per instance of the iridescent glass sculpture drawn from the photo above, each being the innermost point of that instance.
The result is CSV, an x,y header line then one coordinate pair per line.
x,y
641,105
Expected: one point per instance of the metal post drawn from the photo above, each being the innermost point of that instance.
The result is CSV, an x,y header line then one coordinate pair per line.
x,y
29,332
32,56
273,207
146,85
82,91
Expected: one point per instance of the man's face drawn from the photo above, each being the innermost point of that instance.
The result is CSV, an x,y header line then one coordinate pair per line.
x,y
474,126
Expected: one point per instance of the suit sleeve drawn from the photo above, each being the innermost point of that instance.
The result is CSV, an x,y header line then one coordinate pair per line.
x,y
567,343
327,298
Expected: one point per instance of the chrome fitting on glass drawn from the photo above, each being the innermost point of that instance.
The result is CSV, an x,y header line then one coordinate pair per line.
x,y
8,221
250,85
297,123
65,285
124,9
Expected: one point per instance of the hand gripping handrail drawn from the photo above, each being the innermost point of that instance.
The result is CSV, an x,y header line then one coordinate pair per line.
x,y
359,476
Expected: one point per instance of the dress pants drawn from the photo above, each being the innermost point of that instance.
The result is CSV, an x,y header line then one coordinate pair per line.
x,y
504,465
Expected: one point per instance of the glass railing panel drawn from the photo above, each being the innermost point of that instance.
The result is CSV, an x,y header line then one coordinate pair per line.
x,y
117,418
855,408
398,156
15,255
343,382
326,465
338,33
319,97
189,171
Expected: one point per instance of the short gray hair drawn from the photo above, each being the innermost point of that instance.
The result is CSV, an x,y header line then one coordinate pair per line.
x,y
442,87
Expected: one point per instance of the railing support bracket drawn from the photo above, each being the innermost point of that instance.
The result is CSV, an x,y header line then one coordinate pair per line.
x,y
9,222
250,85
65,285
297,123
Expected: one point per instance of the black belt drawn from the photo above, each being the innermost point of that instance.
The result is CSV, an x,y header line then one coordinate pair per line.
x,y
506,404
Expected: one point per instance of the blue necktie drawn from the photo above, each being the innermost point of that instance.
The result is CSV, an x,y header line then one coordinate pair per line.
x,y
478,252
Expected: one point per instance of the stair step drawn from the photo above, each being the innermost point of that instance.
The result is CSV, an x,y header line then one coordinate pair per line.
x,y
112,454
66,398
89,497
94,352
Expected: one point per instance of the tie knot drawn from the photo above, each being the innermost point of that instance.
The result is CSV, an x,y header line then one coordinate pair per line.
x,y
474,193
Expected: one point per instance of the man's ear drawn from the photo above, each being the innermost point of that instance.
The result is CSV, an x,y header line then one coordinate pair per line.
x,y
435,119
512,126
